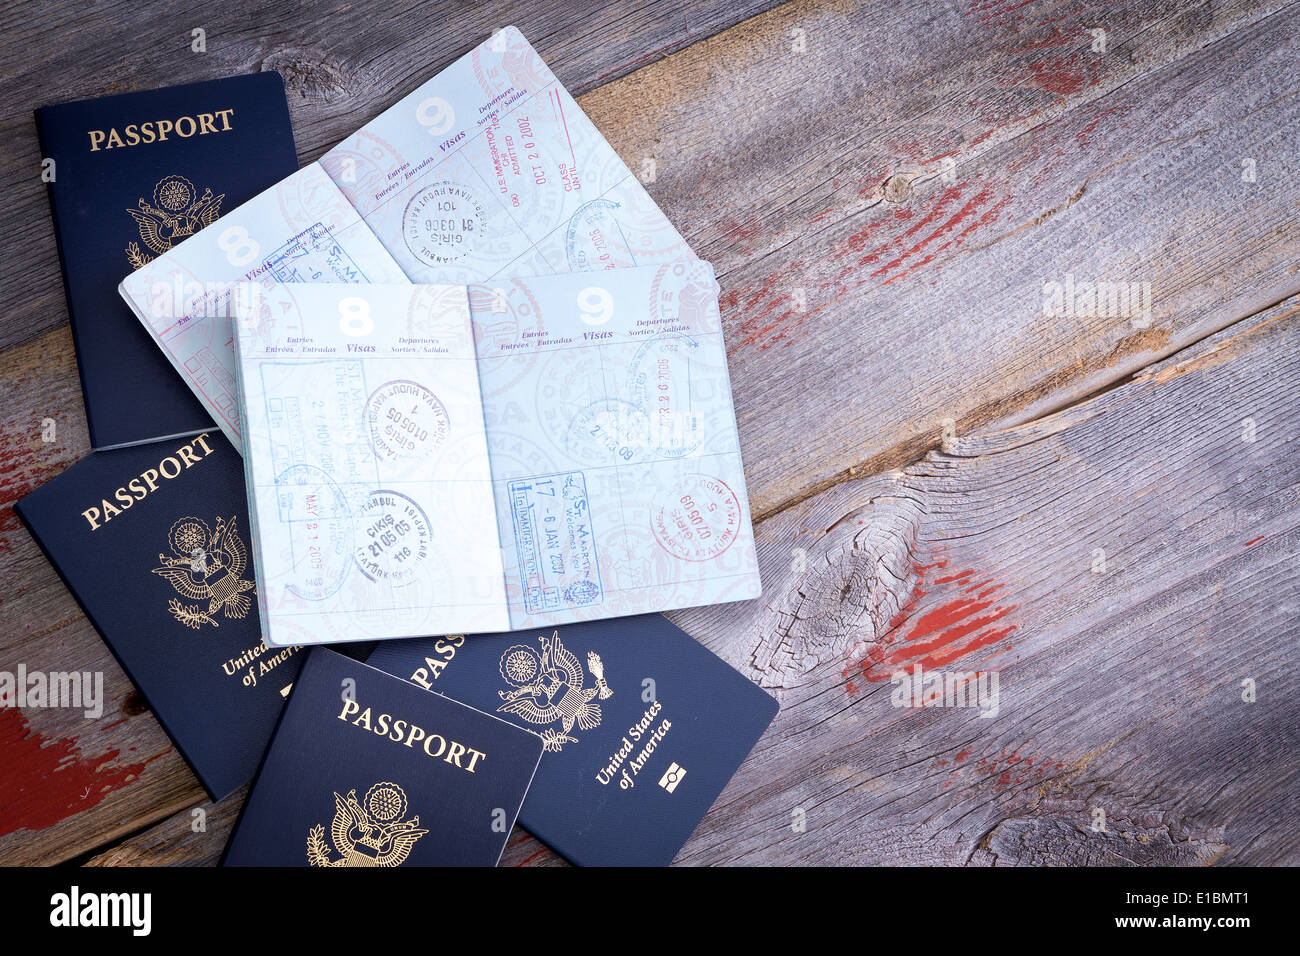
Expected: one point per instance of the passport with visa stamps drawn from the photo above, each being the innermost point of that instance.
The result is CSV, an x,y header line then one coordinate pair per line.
x,y
522,453
489,170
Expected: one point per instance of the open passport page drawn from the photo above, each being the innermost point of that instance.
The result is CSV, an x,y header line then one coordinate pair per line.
x,y
432,459
489,170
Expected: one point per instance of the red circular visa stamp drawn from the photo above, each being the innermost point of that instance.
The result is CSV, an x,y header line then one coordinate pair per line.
x,y
698,520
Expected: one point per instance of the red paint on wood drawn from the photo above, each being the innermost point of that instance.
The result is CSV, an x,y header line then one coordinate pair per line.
x,y
25,463
959,619
46,780
534,856
947,224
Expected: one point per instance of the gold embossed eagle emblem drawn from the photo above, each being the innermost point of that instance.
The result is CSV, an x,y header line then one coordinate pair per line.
x,y
548,688
206,566
367,833
177,211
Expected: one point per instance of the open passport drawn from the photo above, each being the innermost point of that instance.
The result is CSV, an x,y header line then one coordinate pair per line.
x,y
477,376
488,170
426,459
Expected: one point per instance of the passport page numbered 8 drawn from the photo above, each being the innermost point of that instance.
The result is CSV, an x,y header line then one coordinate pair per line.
x,y
367,467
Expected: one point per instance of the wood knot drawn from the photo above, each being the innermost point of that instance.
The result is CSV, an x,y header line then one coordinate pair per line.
x,y
898,188
849,582
310,74
1038,841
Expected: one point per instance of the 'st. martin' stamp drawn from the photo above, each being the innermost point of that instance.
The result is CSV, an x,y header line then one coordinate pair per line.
x,y
556,548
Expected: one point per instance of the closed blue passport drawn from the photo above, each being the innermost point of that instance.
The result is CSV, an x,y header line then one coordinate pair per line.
x,y
643,726
153,543
133,175
366,770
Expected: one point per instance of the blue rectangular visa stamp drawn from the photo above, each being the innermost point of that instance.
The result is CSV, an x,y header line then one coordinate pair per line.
x,y
312,255
554,541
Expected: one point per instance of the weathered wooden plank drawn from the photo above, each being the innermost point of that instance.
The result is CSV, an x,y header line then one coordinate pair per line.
x,y
828,275
1085,191
885,208
196,836
1123,565
342,64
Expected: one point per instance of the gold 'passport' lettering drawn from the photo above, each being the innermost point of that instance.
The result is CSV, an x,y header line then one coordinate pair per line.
x,y
444,649
139,487
409,734
157,131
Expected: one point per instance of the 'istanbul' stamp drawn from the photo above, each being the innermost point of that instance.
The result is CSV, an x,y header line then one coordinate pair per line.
x,y
395,537
441,222
407,421
698,520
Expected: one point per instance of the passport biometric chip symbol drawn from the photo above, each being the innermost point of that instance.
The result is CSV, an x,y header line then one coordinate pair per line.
x,y
206,566
174,214
369,832
548,687
672,777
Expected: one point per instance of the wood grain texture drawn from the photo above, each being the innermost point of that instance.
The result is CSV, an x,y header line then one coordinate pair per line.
x,y
1120,682
918,172
342,64
885,208
1120,688
196,836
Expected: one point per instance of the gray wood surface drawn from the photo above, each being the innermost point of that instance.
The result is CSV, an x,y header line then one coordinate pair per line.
x,y
1120,688
1120,684
919,171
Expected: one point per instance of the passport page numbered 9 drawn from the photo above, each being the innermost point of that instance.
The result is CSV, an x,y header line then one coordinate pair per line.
x,y
616,465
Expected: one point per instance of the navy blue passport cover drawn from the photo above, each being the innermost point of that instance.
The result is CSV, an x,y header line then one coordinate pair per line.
x,y
644,726
152,541
366,770
116,206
